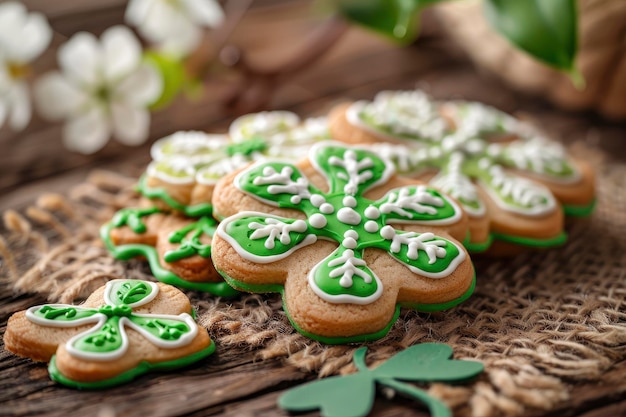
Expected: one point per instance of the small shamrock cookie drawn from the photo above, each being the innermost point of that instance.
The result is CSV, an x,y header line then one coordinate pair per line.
x,y
345,240
515,183
174,228
123,330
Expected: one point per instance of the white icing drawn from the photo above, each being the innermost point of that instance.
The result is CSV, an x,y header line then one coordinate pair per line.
x,y
349,243
197,147
401,113
372,212
371,226
434,248
184,169
327,208
268,125
210,174
317,200
281,183
221,232
100,319
420,201
347,215
110,285
462,188
349,201
537,199
357,172
351,233
318,221
275,229
384,176
349,268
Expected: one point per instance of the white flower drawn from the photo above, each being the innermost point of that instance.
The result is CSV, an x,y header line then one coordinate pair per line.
x,y
104,88
174,25
23,36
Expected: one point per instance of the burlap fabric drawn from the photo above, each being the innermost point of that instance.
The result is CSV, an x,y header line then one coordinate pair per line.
x,y
540,322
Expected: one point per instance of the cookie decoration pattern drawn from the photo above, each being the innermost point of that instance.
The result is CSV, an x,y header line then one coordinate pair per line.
x,y
99,344
514,182
365,210
175,228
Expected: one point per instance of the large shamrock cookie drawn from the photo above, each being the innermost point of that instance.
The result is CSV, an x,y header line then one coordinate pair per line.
x,y
515,184
174,228
123,330
345,240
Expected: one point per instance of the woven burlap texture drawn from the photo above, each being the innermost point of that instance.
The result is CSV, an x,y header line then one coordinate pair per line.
x,y
539,321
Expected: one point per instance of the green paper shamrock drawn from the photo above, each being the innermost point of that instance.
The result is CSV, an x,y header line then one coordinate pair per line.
x,y
353,395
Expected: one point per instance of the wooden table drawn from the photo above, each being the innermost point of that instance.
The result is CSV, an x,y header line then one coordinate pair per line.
x,y
361,64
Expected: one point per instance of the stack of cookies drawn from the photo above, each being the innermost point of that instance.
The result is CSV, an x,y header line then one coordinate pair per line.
x,y
350,218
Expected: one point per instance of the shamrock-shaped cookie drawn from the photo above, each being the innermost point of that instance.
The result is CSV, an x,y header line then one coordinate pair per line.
x,y
343,238
174,227
123,330
514,182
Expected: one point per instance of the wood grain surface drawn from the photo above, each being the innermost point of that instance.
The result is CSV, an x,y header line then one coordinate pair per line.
x,y
361,64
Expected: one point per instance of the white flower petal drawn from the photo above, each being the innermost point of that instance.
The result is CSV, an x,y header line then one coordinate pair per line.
x,y
130,124
33,38
122,52
204,12
141,88
20,107
3,111
12,15
187,38
157,24
88,132
137,11
81,58
57,98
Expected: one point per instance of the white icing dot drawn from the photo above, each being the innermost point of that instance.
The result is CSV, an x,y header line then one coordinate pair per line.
x,y
349,243
387,232
295,199
351,233
484,163
349,201
372,213
371,226
317,220
317,200
327,208
435,153
475,146
348,216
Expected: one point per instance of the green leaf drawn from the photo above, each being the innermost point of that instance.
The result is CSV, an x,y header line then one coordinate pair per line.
x,y
428,362
173,74
546,29
338,396
397,19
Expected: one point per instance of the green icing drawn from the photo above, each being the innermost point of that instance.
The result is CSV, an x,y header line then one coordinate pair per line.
x,y
202,209
426,362
191,246
131,374
345,216
129,292
580,211
557,240
65,313
104,340
165,329
276,288
472,151
126,252
132,217
246,147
